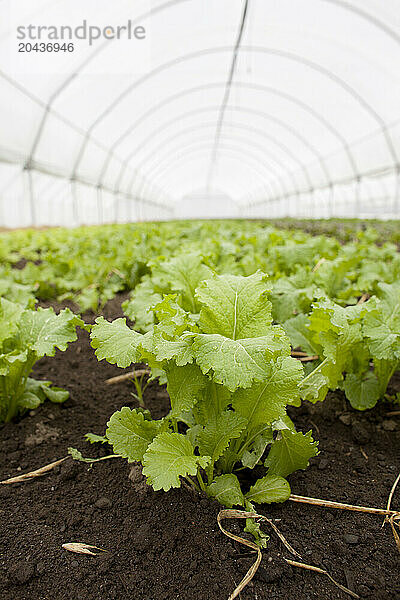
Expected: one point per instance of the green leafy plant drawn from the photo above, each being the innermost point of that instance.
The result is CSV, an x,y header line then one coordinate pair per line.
x,y
229,376
348,341
180,275
25,336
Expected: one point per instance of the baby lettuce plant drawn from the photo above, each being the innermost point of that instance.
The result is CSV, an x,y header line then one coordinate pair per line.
x,y
348,341
27,335
230,377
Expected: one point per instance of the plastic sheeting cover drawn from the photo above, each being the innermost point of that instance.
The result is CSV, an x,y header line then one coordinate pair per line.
x,y
158,109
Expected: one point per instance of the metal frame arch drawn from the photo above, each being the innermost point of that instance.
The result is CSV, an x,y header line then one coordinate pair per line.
x,y
254,130
173,160
239,141
254,86
366,16
239,109
167,5
278,174
258,49
73,75
193,156
235,152
349,180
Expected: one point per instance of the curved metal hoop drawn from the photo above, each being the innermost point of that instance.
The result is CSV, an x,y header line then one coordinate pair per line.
x,y
251,49
207,144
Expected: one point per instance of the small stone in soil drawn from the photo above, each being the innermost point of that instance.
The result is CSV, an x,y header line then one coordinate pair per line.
x,y
69,470
21,572
389,425
323,463
360,433
351,539
345,419
102,503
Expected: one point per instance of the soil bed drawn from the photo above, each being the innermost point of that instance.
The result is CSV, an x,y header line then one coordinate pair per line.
x,y
167,546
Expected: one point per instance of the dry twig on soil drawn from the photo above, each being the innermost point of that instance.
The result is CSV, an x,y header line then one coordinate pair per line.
x,y
126,376
241,514
80,548
34,474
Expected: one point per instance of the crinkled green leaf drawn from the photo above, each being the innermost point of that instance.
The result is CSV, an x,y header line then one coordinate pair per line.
x,y
42,331
226,489
315,387
56,394
138,306
28,401
300,335
10,313
168,457
266,401
116,342
235,307
381,326
179,350
130,433
17,293
253,455
214,439
254,528
237,363
270,488
184,273
184,384
172,319
212,400
290,453
44,389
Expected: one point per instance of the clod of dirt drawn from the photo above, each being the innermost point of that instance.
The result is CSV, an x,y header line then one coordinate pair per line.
x,y
345,418
69,469
42,434
21,572
361,434
323,463
103,503
273,571
389,425
351,539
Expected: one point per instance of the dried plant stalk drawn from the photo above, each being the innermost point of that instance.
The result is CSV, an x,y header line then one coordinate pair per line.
x,y
341,505
294,563
126,376
239,514
80,548
34,474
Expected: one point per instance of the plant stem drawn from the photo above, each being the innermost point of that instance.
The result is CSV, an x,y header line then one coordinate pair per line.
x,y
192,484
315,370
210,472
201,482
138,385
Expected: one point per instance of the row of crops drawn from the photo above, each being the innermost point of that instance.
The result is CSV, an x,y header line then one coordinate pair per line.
x,y
239,320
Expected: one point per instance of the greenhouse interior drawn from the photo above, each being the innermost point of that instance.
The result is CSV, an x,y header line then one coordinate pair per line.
x,y
199,299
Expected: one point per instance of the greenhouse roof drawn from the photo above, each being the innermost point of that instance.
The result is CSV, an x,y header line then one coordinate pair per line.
x,y
156,109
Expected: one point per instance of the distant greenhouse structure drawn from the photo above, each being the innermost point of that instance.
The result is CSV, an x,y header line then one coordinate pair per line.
x,y
241,108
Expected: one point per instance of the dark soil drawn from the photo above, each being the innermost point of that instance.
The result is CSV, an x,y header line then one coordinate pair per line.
x,y
167,546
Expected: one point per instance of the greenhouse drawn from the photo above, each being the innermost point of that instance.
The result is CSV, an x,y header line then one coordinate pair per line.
x,y
199,299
